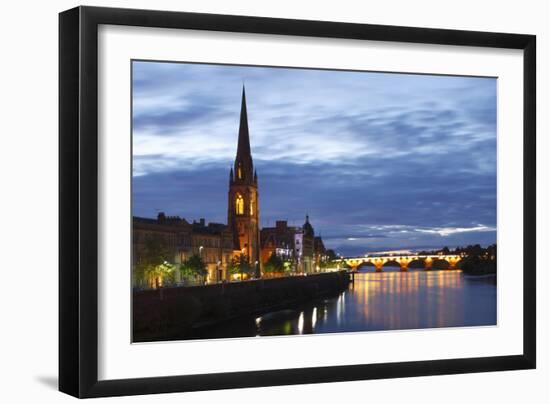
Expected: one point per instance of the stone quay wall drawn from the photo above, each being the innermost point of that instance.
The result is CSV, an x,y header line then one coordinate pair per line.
x,y
171,313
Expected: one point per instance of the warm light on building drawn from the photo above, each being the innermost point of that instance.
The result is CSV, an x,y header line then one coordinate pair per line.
x,y
239,205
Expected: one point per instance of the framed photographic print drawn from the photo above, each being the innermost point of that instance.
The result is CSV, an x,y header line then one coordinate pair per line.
x,y
250,201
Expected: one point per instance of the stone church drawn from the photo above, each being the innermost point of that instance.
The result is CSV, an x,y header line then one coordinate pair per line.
x,y
243,201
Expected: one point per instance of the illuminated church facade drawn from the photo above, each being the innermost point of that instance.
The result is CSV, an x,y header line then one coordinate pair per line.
x,y
243,209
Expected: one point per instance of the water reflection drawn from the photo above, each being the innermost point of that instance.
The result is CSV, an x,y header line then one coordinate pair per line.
x,y
314,318
416,299
389,300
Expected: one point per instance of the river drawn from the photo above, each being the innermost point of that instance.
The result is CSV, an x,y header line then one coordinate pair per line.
x,y
389,300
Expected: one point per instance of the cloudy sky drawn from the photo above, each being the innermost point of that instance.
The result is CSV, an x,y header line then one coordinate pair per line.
x,y
379,161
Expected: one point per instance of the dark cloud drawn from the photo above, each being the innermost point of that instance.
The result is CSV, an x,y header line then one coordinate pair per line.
x,y
170,122
378,161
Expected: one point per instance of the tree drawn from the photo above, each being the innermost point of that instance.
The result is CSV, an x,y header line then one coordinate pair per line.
x,y
153,265
274,265
240,266
194,267
344,264
161,274
288,267
331,255
479,261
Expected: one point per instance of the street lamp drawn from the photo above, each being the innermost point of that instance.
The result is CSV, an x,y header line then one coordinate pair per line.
x,y
200,256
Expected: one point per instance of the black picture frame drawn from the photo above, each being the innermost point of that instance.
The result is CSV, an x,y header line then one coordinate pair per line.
x,y
78,200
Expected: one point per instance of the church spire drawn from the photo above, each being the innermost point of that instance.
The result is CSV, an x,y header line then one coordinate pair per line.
x,y
244,141
243,161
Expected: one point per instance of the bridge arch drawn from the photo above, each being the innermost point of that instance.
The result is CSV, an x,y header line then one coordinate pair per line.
x,y
365,266
440,263
452,260
391,262
417,263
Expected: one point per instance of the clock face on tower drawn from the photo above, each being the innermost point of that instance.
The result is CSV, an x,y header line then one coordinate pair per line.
x,y
243,206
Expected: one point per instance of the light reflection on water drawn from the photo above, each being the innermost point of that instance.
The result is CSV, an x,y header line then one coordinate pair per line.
x,y
390,300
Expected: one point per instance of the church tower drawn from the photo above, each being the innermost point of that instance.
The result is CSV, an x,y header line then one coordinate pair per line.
x,y
243,207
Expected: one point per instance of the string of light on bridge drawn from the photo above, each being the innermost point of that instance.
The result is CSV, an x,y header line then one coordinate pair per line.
x,y
402,260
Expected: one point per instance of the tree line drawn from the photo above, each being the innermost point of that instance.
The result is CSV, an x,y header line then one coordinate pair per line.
x,y
155,267
476,260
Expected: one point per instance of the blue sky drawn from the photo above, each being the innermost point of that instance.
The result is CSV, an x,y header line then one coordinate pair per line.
x,y
379,161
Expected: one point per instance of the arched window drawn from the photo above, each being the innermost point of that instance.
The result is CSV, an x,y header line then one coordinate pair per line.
x,y
239,205
239,172
252,207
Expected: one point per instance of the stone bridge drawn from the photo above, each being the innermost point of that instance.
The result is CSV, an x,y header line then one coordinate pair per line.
x,y
402,260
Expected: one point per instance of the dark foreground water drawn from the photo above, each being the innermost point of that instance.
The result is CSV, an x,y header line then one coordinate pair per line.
x,y
390,300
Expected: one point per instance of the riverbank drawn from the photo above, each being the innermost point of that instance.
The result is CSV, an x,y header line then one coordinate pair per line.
x,y
173,313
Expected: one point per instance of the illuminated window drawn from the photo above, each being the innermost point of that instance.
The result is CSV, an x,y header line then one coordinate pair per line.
x,y
251,207
239,205
239,172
